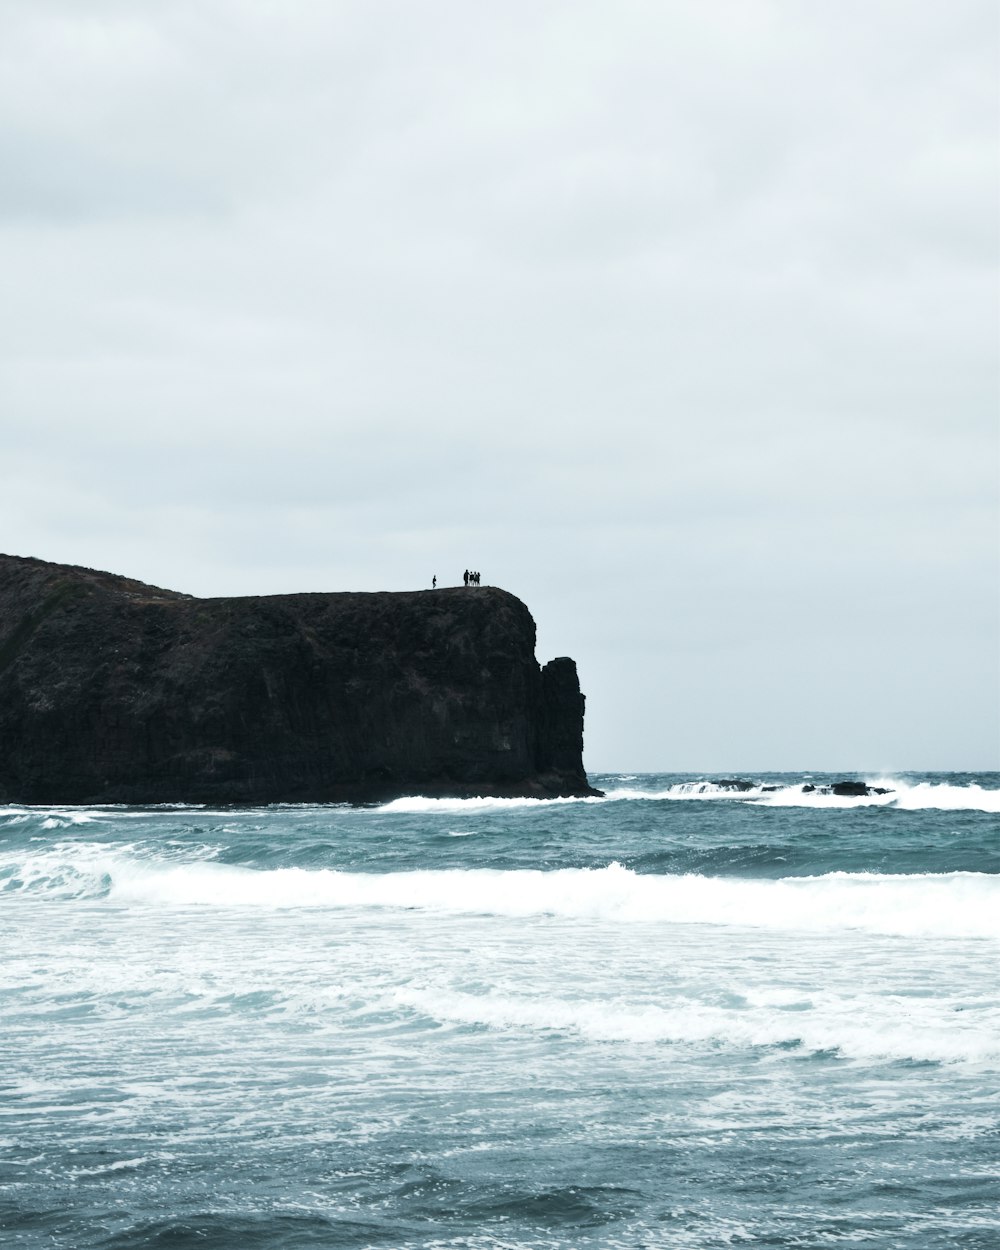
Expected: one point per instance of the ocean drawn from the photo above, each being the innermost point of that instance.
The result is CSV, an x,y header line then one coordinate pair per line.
x,y
683,1015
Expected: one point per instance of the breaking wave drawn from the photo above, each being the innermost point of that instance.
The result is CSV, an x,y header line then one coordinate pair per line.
x,y
882,792
867,1027
957,904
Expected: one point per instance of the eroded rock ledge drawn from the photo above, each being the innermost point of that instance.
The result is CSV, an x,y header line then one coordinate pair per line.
x,y
112,691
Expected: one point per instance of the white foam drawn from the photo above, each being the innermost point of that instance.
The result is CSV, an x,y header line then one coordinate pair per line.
x,y
56,818
419,805
908,796
864,1026
960,904
925,795
942,797
120,1166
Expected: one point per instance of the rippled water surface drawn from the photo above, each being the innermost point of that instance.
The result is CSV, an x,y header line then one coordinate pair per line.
x,y
679,1016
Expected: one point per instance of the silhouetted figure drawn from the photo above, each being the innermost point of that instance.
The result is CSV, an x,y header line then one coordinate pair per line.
x,y
434,582
467,577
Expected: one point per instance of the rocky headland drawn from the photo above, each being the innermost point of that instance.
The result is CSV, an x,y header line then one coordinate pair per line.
x,y
112,691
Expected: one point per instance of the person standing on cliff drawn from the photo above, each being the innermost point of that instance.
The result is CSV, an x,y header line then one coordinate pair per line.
x,y
434,582
466,577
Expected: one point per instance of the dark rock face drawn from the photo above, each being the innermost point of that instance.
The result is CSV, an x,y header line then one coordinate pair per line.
x,y
114,691
848,789
856,789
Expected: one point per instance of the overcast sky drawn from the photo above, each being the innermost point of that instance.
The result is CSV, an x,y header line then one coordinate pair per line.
x,y
677,319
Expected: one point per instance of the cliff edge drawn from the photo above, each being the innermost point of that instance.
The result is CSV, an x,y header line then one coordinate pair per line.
x,y
112,691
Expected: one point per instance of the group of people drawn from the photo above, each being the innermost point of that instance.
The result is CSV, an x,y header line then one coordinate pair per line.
x,y
470,579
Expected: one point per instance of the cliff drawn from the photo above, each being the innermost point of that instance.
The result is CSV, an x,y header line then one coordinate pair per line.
x,y
112,691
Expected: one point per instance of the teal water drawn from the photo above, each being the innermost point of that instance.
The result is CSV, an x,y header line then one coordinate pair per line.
x,y
675,1017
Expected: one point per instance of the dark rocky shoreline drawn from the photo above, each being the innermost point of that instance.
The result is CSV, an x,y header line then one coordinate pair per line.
x,y
113,691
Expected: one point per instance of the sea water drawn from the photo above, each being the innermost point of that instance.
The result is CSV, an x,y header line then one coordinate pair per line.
x,y
678,1016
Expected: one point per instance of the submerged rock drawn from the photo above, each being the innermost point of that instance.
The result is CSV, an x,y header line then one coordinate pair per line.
x,y
112,691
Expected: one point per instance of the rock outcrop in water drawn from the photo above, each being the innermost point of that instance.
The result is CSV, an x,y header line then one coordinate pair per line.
x,y
116,692
843,789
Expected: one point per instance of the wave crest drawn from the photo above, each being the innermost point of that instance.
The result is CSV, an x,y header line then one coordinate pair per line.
x,y
906,796
958,904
